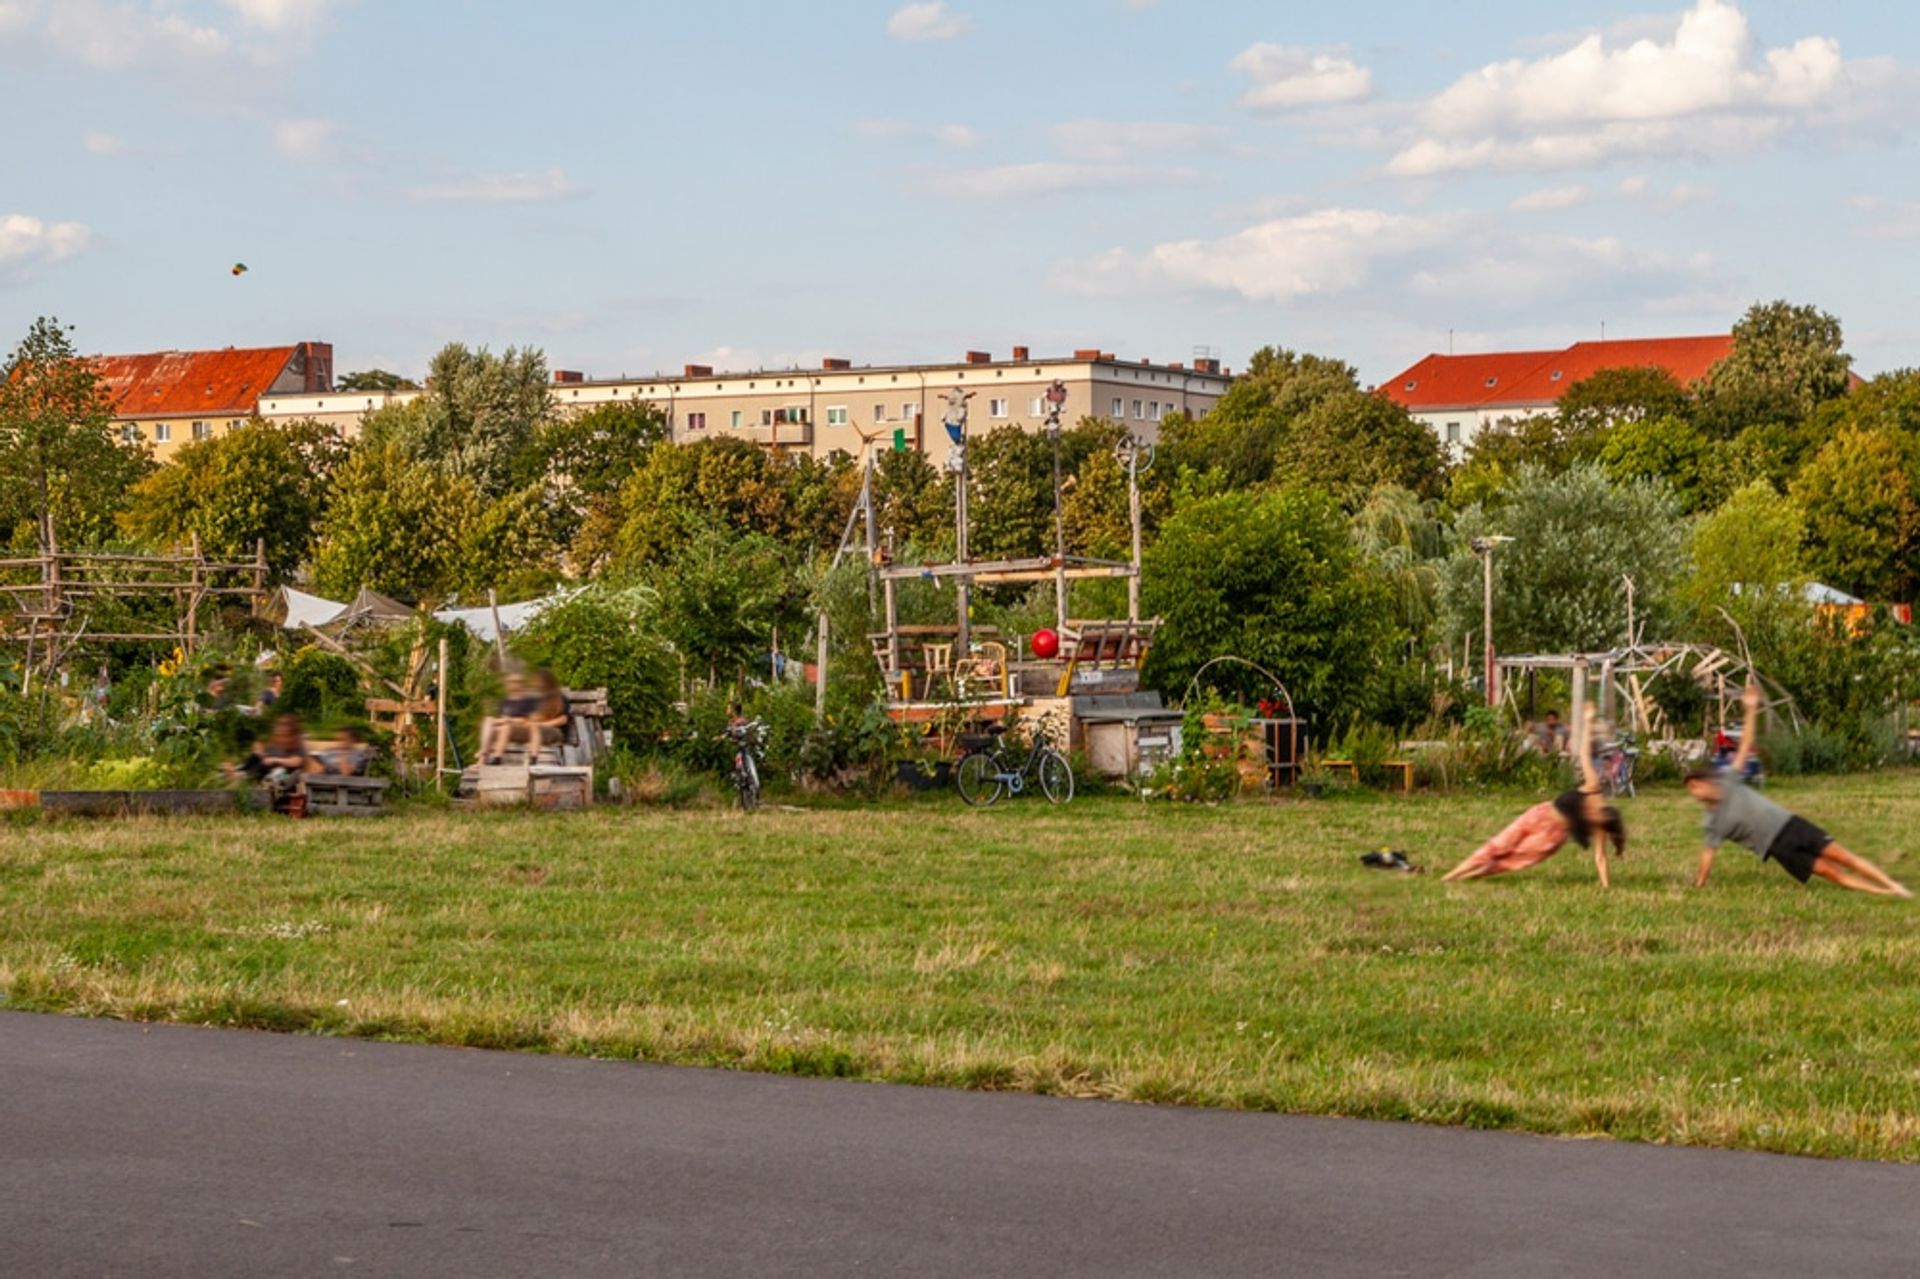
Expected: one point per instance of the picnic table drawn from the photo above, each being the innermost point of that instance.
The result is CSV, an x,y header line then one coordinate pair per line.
x,y
1353,770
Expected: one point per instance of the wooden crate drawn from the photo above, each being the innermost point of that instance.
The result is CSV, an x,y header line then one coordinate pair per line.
x,y
559,786
498,784
329,796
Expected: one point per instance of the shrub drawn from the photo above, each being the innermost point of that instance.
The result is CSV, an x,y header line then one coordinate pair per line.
x,y
605,638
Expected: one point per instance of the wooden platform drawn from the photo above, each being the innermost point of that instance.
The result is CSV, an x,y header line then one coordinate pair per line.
x,y
334,796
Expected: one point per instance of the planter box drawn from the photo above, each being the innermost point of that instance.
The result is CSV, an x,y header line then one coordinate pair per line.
x,y
929,776
122,803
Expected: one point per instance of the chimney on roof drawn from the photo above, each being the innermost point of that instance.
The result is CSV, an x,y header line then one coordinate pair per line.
x,y
1206,366
1177,365
1019,355
697,370
1087,353
562,376
979,357
318,360
835,364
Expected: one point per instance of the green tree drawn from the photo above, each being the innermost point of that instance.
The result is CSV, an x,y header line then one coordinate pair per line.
x,y
375,380
1558,583
1748,558
683,489
724,594
1668,449
260,484
1861,495
511,546
1400,534
1613,397
1786,362
1352,442
479,416
606,637
1271,576
62,473
395,525
1010,494
585,459
1240,437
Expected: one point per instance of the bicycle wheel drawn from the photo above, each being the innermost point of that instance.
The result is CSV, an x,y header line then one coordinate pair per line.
x,y
1056,777
747,781
977,778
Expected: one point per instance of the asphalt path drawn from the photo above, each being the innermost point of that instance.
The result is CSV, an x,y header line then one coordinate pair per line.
x,y
164,1150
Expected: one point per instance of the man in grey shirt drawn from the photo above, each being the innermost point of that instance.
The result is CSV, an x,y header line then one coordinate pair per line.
x,y
1739,813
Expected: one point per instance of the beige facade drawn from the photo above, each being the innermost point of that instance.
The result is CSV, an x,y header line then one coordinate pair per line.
x,y
839,408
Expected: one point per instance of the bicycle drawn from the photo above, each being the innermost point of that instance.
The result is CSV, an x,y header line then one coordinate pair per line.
x,y
749,738
1614,762
984,775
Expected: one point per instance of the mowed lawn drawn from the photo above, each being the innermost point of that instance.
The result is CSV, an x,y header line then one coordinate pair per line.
x,y
1211,956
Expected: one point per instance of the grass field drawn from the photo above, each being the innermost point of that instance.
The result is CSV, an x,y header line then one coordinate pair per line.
x,y
1231,957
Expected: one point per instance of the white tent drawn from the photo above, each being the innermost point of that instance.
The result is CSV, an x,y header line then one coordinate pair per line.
x,y
304,610
513,617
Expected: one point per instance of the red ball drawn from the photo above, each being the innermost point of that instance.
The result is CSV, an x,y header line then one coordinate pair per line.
x,y
1045,643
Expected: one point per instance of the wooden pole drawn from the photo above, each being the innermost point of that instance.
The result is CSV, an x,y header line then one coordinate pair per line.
x,y
1133,516
440,719
820,671
499,633
191,626
963,588
1579,704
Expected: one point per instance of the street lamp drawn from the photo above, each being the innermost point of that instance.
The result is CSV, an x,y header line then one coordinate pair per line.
x,y
1484,547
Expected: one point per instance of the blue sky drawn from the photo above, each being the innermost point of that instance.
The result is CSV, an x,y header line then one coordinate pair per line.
x,y
633,186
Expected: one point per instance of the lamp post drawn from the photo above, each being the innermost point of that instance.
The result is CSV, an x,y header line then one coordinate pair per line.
x,y
1484,547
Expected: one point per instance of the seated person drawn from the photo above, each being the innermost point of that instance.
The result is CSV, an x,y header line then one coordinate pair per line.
x,y
281,760
350,756
1549,736
513,722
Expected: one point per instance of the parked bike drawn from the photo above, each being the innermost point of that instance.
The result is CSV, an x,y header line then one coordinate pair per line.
x,y
985,774
1726,744
749,738
1614,761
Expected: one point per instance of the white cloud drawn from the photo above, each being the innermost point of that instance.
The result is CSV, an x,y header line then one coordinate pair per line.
x,y
1552,199
515,188
1287,77
1891,220
1327,251
1496,270
306,139
280,15
959,136
114,37
1122,139
103,144
26,242
927,21
1050,178
1707,87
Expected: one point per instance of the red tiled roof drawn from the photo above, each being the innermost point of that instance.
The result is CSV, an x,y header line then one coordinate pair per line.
x,y
180,383
1448,381
1542,377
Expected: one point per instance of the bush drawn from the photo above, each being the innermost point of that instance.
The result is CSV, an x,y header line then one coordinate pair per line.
x,y
318,686
606,638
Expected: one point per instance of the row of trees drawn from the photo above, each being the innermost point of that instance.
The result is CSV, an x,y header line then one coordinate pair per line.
x,y
1305,522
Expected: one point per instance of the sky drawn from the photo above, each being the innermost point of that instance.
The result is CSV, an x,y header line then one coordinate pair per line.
x,y
635,186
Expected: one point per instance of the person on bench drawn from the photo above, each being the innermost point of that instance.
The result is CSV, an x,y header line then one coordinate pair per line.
x,y
533,717
281,761
350,756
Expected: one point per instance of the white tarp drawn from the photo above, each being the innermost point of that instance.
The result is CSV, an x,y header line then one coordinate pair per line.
x,y
307,610
1819,593
513,617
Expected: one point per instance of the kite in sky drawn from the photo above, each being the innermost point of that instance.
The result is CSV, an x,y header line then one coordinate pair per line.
x,y
239,268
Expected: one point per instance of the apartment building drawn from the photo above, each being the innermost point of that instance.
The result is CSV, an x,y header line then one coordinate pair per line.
x,y
171,398
841,407
1459,396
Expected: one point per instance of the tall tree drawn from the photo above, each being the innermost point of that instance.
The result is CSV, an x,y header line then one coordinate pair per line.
x,y
1669,449
62,472
1786,362
478,418
375,380
1272,577
1612,397
1240,437
1861,495
1558,583
1352,442
395,525
263,484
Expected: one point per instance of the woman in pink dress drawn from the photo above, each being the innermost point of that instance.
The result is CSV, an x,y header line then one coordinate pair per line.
x,y
1537,834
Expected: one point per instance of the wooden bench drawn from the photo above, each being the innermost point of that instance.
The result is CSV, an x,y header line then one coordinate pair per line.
x,y
1353,770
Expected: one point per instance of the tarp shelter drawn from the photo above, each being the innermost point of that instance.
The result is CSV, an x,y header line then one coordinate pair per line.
x,y
294,610
369,608
513,617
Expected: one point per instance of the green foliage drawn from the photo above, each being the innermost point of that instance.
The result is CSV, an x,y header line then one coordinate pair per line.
x,y
261,483
587,458
724,482
320,687
375,380
1621,397
1401,535
1746,557
1558,584
1240,438
478,419
1786,362
602,637
512,546
395,525
722,596
1272,577
1861,495
1354,442
59,459
1668,449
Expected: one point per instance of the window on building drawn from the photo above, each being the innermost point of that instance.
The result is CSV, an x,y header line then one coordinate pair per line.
x,y
879,412
837,415
1453,432
766,417
998,408
1036,407
1137,414
907,412
162,432
129,435
1153,410
696,421
736,419
1119,409
201,431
